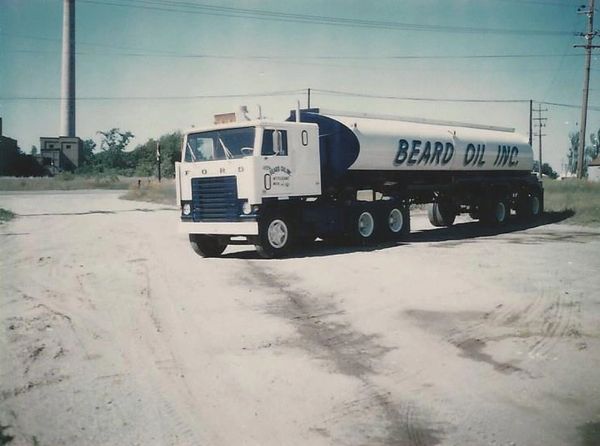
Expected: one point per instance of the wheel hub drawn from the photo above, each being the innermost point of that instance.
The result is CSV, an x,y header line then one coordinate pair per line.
x,y
277,234
395,220
365,224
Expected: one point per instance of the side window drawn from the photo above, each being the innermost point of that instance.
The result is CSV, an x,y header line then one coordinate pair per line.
x,y
270,138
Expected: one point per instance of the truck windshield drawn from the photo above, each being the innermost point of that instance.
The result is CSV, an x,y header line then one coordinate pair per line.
x,y
219,144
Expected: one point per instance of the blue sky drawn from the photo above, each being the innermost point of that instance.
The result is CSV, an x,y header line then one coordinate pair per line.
x,y
123,53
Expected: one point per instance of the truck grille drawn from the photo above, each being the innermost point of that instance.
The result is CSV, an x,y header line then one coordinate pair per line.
x,y
215,198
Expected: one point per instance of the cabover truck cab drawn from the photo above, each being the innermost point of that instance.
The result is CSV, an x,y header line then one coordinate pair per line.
x,y
232,176
345,177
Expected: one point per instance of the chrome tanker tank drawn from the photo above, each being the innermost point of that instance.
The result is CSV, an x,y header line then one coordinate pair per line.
x,y
389,146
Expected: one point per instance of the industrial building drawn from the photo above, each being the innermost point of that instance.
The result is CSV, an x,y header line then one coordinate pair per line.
x,y
9,153
58,154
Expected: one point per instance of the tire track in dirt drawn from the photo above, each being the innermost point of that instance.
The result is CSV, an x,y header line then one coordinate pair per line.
x,y
352,353
540,324
546,319
165,362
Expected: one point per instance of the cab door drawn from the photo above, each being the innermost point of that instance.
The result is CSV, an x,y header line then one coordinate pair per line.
x,y
277,173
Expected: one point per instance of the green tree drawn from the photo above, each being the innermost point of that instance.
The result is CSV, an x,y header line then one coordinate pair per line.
x,y
34,150
594,149
113,145
572,152
87,152
144,155
170,148
591,151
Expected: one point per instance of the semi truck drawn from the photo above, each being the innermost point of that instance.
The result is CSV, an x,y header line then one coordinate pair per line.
x,y
347,177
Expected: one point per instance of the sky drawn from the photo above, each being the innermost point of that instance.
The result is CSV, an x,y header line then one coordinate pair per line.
x,y
147,66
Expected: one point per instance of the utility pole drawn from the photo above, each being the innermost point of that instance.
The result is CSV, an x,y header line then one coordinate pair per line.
x,y
530,122
158,159
308,102
540,124
589,46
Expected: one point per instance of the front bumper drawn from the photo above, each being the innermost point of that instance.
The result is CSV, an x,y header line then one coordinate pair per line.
x,y
219,228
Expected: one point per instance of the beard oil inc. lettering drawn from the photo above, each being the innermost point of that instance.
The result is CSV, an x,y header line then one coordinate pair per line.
x,y
417,153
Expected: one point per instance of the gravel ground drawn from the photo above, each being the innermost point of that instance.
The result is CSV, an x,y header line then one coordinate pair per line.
x,y
115,332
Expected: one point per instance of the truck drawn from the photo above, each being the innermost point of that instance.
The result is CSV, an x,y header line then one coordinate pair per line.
x,y
345,177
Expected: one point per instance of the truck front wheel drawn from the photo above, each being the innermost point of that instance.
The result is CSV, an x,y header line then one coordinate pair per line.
x,y
206,245
275,236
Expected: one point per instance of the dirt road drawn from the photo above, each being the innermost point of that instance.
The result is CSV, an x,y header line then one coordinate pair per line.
x,y
115,332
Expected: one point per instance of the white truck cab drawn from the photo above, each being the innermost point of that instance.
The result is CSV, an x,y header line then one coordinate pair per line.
x,y
227,171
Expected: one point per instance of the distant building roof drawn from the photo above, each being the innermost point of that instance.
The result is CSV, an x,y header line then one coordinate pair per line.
x,y
595,162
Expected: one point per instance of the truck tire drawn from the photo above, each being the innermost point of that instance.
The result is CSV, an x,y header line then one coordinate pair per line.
x,y
397,222
441,214
496,212
362,225
275,235
530,205
206,245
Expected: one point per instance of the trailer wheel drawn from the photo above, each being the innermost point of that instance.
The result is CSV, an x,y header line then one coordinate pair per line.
x,y
206,245
441,214
529,205
275,236
397,222
496,212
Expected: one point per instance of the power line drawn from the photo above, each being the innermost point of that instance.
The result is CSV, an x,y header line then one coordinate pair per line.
x,y
412,98
152,98
260,14
538,2
294,92
149,53
421,99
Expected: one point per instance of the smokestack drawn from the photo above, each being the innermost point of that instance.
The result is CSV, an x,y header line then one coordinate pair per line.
x,y
67,105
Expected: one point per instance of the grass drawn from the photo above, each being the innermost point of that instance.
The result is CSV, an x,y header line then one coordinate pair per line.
x,y
580,197
65,181
152,191
6,215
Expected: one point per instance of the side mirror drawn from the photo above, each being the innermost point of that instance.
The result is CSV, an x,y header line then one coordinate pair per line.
x,y
276,142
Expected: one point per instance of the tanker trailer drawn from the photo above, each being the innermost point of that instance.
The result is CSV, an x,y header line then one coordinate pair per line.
x,y
344,176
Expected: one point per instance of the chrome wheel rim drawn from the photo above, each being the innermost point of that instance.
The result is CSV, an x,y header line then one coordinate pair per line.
x,y
277,233
366,224
395,220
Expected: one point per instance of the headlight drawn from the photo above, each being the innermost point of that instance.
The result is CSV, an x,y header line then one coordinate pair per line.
x,y
187,209
246,208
